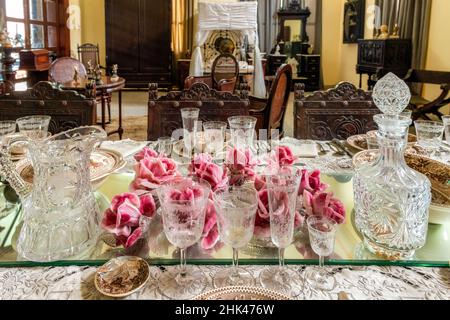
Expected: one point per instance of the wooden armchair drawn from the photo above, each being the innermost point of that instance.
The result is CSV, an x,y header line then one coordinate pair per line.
x,y
423,108
339,113
270,112
68,109
224,75
164,113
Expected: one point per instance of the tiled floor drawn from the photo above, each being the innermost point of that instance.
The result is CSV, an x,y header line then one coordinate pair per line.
x,y
134,104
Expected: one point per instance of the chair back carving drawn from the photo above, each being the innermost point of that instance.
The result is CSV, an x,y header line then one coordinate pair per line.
x,y
89,52
164,113
189,82
339,113
278,99
62,70
225,67
68,109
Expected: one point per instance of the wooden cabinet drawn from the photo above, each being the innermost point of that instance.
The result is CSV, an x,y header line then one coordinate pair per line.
x,y
309,70
379,57
138,38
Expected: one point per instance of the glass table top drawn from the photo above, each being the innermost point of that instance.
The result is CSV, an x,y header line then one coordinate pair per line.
x,y
348,249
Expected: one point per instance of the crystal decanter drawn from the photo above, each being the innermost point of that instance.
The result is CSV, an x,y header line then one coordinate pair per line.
x,y
391,199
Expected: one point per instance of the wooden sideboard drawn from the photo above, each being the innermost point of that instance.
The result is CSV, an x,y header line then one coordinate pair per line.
x,y
376,58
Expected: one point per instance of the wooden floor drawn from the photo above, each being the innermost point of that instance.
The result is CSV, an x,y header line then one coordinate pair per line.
x,y
135,115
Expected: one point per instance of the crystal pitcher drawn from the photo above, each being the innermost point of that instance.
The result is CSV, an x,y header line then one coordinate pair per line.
x,y
60,214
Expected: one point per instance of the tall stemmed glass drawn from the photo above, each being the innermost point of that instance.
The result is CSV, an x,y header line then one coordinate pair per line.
x,y
282,187
190,128
236,211
242,131
322,235
429,135
35,128
183,204
6,128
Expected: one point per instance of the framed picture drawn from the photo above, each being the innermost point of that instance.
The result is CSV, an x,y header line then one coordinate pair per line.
x,y
354,14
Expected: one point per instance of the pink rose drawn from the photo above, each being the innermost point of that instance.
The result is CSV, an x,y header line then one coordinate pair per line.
x,y
283,156
123,217
311,182
323,204
148,206
203,168
145,153
240,165
152,172
260,183
210,235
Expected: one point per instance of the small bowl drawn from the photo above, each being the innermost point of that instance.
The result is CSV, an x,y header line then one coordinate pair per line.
x,y
136,268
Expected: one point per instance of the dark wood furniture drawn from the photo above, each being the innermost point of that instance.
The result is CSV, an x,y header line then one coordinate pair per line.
x,y
274,62
354,20
423,108
183,66
293,12
339,113
309,68
138,39
68,109
223,77
270,112
89,52
377,58
164,113
103,95
36,62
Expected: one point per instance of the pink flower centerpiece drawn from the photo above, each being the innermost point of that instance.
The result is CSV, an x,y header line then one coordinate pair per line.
x,y
152,171
123,218
240,165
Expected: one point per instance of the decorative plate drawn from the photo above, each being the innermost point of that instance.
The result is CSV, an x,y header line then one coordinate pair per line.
x,y
103,163
437,172
121,277
359,142
242,293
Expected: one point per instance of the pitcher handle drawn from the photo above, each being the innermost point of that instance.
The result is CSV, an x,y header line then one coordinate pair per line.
x,y
10,174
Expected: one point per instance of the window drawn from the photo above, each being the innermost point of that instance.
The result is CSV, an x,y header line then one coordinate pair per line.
x,y
34,24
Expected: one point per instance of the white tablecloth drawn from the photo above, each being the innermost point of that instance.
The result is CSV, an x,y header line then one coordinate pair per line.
x,y
366,283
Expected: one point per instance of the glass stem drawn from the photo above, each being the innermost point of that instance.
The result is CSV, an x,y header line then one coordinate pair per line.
x,y
281,257
183,262
235,262
321,263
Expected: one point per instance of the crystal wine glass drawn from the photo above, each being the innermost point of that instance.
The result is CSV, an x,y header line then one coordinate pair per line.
x,y
183,203
242,131
236,211
165,145
214,134
6,128
446,120
322,235
429,135
35,128
190,126
282,189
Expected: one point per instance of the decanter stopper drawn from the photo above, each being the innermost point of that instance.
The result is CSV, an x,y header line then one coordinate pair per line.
x,y
391,94
9,172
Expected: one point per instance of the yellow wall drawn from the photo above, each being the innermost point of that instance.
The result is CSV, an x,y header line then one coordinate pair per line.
x,y
438,56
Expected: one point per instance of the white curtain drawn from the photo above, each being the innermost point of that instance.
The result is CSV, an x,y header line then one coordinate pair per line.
x,y
241,16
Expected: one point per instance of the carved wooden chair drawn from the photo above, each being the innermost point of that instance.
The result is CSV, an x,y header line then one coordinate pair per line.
x,y
164,113
337,113
421,107
270,112
68,109
223,77
62,70
89,52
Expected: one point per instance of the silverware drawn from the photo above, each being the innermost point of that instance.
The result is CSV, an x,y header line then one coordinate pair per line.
x,y
344,148
337,150
322,151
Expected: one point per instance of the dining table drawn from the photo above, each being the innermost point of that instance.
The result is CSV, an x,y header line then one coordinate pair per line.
x,y
359,274
104,91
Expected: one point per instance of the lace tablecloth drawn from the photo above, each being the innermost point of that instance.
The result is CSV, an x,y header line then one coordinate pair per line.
x,y
361,283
